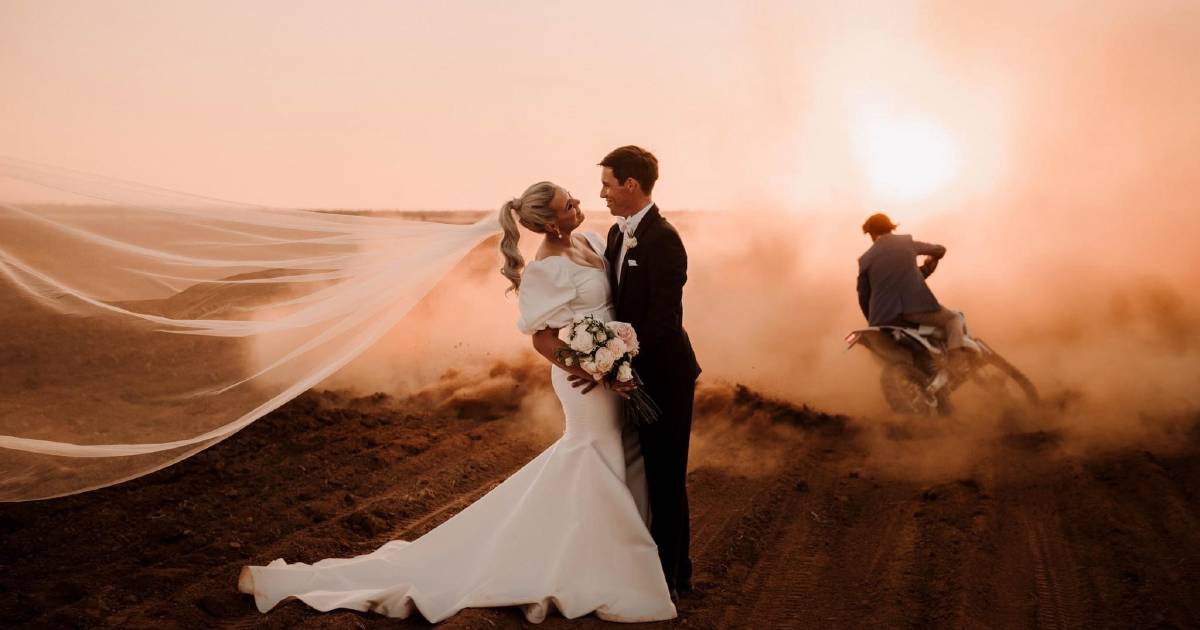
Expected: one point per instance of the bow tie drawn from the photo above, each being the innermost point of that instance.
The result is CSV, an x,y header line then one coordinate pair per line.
x,y
623,225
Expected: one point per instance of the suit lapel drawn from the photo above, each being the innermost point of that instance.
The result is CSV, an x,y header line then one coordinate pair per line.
x,y
648,222
652,217
612,253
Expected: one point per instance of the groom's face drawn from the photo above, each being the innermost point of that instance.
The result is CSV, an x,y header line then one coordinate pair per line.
x,y
619,198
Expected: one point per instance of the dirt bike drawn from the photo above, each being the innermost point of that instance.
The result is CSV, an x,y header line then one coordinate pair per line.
x,y
917,377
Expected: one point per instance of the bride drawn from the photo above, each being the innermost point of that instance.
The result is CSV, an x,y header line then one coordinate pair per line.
x,y
568,529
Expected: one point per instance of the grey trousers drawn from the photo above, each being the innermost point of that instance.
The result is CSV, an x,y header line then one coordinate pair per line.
x,y
948,320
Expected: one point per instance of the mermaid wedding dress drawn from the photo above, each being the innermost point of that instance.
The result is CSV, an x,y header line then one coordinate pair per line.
x,y
567,530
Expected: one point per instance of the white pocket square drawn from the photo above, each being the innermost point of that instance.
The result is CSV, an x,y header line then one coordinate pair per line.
x,y
630,262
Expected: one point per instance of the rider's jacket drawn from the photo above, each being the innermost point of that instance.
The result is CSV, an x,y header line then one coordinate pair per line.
x,y
889,282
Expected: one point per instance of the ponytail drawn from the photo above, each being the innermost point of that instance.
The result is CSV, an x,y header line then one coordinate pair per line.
x,y
532,210
513,262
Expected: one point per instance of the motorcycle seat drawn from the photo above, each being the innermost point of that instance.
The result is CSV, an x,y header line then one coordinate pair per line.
x,y
933,332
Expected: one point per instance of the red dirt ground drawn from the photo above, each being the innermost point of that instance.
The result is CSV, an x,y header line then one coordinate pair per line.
x,y
791,528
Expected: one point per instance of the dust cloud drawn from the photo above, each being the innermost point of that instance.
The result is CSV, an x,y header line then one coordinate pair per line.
x,y
1071,249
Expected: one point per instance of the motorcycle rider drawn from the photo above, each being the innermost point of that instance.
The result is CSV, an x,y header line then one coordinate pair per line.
x,y
892,289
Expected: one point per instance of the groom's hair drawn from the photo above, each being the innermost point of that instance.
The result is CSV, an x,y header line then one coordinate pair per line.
x,y
633,161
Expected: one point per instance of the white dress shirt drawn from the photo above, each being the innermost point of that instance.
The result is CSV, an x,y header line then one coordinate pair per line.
x,y
629,227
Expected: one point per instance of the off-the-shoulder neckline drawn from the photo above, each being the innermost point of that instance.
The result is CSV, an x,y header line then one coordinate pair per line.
x,y
603,261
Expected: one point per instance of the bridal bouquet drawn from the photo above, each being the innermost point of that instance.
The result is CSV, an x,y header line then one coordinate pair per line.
x,y
605,351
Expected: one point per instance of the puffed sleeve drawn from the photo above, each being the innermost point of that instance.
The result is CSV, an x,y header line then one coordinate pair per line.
x,y
546,293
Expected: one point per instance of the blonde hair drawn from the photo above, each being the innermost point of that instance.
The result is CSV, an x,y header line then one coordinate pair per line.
x,y
532,210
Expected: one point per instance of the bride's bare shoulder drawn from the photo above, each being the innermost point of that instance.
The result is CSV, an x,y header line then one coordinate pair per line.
x,y
593,240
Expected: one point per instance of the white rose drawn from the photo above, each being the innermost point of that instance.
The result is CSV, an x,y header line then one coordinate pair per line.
x,y
569,361
588,367
625,373
616,346
583,343
564,334
604,360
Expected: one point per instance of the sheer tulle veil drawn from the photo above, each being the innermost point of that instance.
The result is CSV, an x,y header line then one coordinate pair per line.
x,y
139,326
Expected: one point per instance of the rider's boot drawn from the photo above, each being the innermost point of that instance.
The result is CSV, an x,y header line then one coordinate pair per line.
x,y
959,361
937,383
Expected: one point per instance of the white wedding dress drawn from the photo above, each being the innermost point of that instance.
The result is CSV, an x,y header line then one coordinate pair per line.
x,y
564,531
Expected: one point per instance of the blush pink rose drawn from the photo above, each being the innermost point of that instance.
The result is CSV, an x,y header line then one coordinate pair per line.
x,y
616,346
626,334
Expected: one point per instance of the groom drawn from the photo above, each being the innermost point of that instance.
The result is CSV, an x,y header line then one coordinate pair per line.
x,y
647,268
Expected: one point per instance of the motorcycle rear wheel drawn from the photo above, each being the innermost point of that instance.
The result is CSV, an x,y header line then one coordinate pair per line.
x,y
904,389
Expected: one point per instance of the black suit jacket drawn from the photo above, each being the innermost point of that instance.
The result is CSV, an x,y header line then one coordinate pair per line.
x,y
650,297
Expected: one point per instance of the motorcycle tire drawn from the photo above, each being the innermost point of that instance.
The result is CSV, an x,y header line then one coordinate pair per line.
x,y
904,389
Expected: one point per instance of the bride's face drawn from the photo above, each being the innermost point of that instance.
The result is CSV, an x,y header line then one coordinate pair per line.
x,y
567,215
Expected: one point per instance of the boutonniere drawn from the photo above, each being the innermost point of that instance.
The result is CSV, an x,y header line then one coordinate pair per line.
x,y
630,242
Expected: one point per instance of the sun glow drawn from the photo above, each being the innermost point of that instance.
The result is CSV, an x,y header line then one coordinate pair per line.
x,y
905,160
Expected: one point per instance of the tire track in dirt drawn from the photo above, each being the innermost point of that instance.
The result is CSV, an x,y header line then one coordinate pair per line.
x,y
787,556
812,543
729,511
784,587
1137,509
1040,583
715,515
839,553
944,561
876,549
1053,570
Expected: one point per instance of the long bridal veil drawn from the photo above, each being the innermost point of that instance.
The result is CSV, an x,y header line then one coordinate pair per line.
x,y
139,326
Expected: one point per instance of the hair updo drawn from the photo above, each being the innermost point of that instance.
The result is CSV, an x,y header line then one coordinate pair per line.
x,y
532,210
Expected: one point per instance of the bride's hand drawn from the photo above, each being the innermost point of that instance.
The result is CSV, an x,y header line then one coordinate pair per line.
x,y
588,384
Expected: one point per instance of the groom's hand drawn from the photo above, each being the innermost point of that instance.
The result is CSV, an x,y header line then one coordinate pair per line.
x,y
622,389
587,384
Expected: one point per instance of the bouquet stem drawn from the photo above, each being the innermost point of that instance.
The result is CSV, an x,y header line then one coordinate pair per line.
x,y
640,408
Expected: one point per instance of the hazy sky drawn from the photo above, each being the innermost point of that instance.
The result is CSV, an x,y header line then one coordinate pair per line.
x,y
461,104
